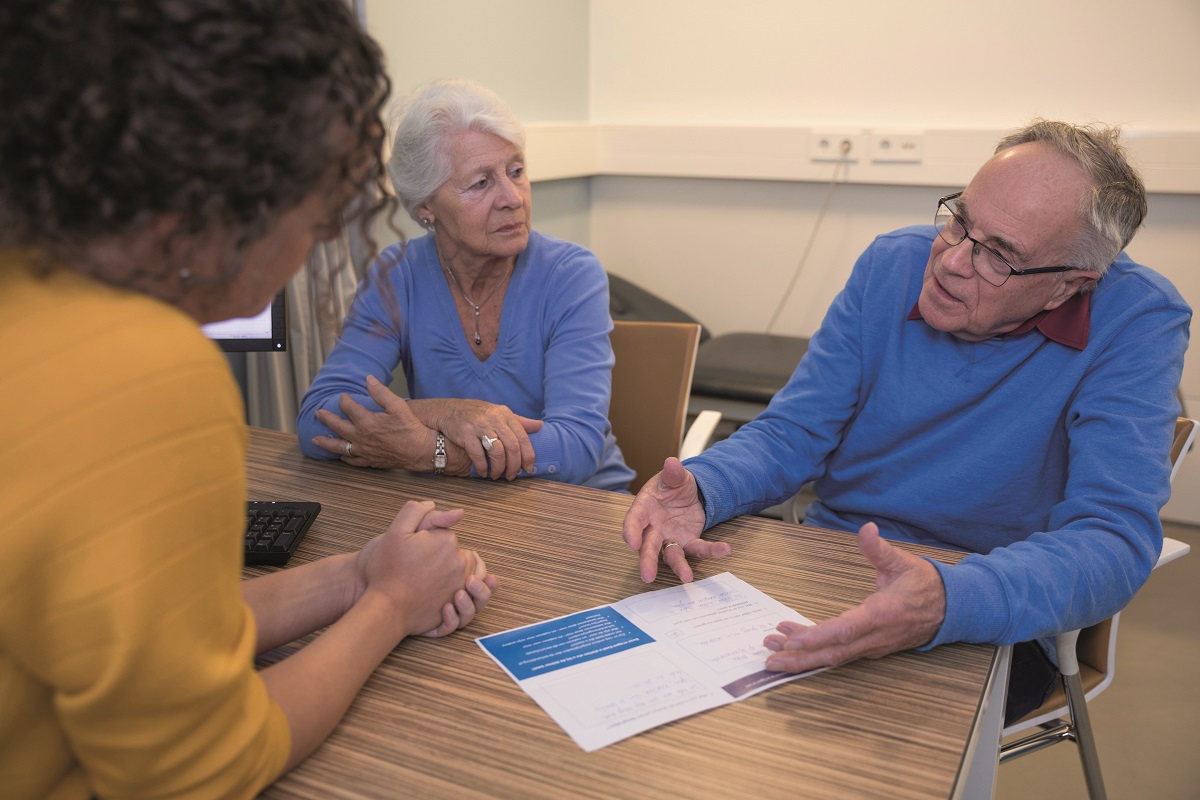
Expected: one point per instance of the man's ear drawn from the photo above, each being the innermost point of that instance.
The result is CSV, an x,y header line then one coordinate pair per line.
x,y
1075,282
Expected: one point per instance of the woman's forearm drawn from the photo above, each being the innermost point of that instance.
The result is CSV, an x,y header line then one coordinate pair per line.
x,y
316,685
294,602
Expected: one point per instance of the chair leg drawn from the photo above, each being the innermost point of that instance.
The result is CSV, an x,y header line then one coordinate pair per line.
x,y
1083,737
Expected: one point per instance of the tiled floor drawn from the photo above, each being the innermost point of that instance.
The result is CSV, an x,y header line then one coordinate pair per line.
x,y
1147,724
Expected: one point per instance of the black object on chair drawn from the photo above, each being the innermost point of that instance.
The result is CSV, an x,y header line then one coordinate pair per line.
x,y
736,373
750,367
628,302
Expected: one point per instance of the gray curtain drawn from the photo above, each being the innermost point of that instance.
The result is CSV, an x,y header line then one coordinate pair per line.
x,y
275,382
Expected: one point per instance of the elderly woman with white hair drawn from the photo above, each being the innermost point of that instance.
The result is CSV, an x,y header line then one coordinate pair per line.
x,y
502,332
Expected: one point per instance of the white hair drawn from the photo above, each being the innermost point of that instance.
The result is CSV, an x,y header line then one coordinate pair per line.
x,y
1115,206
423,122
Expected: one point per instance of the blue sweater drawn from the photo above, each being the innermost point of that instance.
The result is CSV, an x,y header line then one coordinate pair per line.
x,y
1049,462
553,360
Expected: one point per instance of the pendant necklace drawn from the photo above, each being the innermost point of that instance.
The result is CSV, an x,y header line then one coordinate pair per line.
x,y
472,303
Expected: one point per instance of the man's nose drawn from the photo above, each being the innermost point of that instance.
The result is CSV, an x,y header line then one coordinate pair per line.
x,y
956,258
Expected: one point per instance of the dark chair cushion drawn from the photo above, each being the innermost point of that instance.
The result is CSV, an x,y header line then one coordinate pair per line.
x,y
628,301
747,366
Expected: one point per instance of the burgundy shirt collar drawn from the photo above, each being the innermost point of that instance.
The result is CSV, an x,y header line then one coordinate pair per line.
x,y
1068,324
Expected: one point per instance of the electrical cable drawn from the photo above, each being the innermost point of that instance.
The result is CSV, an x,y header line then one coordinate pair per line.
x,y
845,151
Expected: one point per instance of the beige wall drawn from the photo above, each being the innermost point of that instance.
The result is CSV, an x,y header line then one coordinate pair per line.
x,y
936,63
533,53
725,248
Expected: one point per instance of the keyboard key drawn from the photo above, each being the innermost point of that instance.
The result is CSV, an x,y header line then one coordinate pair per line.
x,y
274,529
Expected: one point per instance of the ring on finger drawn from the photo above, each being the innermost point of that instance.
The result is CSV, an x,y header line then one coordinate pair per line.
x,y
487,442
668,546
347,448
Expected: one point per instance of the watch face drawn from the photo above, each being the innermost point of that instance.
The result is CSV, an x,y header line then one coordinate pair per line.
x,y
439,461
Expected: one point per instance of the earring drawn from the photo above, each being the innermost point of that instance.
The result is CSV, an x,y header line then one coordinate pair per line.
x,y
427,222
185,274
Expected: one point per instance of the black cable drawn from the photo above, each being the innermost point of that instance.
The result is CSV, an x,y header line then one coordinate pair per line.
x,y
845,150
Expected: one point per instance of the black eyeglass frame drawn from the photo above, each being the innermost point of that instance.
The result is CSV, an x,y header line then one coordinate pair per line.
x,y
966,236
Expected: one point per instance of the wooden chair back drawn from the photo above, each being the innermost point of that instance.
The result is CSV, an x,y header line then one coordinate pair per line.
x,y
651,383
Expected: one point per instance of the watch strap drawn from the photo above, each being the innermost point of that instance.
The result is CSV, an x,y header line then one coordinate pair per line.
x,y
439,454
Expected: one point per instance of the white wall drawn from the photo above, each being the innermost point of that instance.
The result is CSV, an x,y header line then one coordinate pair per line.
x,y
725,250
929,64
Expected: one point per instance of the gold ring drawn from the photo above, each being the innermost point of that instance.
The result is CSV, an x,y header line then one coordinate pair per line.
x,y
669,545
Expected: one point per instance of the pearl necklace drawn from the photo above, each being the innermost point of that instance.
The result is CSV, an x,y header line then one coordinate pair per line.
x,y
472,303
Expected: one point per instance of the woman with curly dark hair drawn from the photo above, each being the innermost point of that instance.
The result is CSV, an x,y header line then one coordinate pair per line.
x,y
165,164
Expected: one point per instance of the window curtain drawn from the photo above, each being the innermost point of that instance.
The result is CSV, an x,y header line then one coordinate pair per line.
x,y
275,382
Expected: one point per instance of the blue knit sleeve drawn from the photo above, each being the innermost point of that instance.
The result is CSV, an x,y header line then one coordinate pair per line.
x,y
369,345
578,361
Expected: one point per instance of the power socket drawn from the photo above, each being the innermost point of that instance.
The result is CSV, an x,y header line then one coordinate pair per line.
x,y
827,144
896,146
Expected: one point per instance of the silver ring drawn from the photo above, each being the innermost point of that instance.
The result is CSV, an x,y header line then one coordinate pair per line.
x,y
348,446
668,546
487,442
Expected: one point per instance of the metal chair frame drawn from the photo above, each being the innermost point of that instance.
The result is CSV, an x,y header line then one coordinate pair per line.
x,y
1056,722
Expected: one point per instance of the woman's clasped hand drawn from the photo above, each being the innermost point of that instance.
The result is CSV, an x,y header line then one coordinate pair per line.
x,y
416,562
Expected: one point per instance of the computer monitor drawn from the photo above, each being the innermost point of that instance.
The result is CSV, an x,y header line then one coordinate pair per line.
x,y
264,332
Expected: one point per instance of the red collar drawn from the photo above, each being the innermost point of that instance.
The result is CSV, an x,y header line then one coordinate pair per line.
x,y
1068,324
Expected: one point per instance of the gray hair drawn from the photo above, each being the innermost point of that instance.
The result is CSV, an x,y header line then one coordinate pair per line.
x,y
1115,207
425,120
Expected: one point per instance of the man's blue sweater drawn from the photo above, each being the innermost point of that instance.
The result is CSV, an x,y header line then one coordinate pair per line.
x,y
1049,461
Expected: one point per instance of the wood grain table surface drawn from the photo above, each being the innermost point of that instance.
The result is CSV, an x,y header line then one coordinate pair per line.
x,y
439,719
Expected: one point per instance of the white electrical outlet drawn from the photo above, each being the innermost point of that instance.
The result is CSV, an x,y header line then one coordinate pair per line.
x,y
896,146
828,144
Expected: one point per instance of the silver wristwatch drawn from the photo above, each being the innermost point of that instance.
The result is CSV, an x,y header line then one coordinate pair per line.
x,y
439,454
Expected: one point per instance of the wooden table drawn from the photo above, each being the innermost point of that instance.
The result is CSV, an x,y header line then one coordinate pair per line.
x,y
440,719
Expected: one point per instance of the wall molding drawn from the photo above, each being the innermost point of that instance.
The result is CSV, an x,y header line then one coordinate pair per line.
x,y
1170,161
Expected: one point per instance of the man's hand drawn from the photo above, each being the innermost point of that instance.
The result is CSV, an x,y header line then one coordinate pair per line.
x,y
905,611
667,511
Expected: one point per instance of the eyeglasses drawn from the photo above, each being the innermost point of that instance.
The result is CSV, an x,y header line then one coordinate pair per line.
x,y
990,265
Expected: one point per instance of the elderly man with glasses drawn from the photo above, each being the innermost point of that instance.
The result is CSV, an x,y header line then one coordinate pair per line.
x,y
1004,383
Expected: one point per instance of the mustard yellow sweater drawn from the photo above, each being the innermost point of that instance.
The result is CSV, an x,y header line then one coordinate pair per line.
x,y
126,652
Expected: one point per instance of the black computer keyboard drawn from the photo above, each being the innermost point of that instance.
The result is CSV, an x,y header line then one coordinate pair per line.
x,y
273,529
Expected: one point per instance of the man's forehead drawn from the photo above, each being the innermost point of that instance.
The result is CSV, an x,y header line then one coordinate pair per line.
x,y
1009,245
1026,195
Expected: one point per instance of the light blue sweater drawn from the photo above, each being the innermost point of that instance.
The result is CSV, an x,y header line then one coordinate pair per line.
x,y
553,361
1051,460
